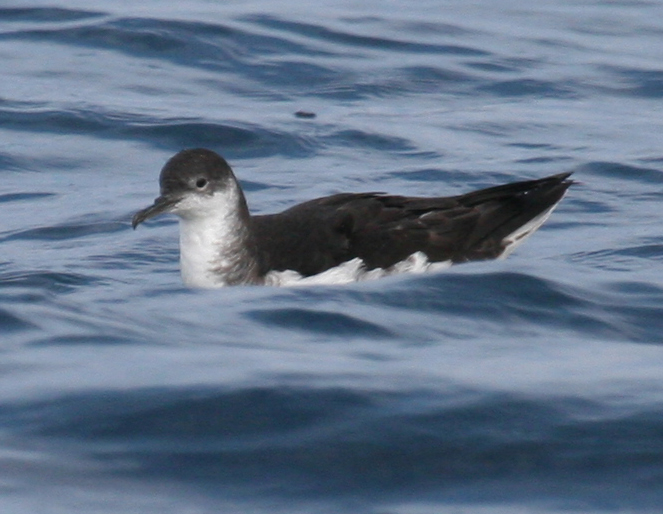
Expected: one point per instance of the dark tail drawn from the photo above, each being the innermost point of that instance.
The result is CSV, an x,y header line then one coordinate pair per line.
x,y
510,213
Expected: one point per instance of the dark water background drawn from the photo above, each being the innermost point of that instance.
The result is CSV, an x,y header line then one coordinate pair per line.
x,y
531,385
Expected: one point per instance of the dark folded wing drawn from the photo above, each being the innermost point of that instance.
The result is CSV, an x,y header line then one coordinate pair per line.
x,y
383,230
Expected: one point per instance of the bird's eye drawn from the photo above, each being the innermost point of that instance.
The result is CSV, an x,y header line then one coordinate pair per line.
x,y
201,183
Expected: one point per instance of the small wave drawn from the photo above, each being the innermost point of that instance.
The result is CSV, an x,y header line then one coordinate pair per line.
x,y
320,322
638,82
65,231
625,258
373,141
529,87
45,14
505,299
187,43
9,162
326,34
234,140
39,281
11,323
623,171
335,440
91,339
20,197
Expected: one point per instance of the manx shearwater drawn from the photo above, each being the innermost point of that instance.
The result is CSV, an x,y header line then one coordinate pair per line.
x,y
372,234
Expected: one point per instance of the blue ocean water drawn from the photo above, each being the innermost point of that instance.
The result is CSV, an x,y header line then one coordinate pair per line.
x,y
530,385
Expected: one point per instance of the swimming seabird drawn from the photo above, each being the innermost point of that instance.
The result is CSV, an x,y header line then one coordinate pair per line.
x,y
221,243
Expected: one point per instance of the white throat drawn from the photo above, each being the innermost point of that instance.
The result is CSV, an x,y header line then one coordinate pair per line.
x,y
212,241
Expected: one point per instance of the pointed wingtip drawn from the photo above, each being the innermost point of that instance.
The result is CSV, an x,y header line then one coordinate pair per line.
x,y
562,177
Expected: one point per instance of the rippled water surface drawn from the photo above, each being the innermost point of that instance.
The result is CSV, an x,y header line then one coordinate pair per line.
x,y
531,385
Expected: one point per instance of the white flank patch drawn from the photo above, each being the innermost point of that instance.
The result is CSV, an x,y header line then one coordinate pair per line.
x,y
354,271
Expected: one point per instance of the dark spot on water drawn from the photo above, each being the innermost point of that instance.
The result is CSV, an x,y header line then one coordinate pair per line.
x,y
305,114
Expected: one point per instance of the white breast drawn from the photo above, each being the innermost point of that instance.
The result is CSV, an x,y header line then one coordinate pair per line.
x,y
209,231
199,251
